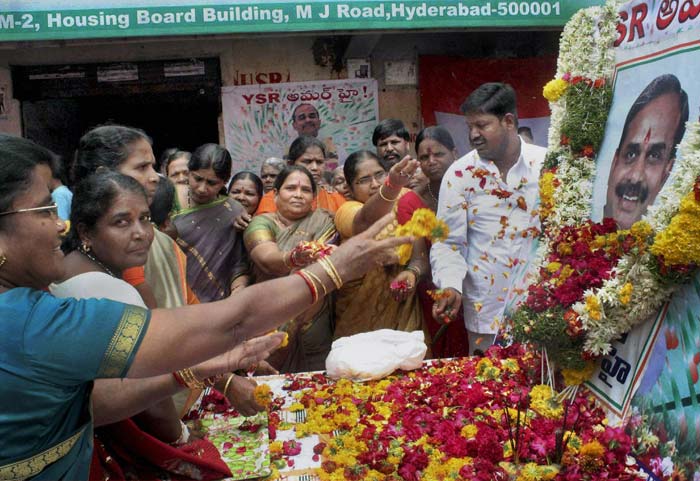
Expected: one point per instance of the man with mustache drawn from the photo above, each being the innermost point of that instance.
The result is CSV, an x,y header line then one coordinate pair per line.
x,y
306,120
488,198
644,158
392,141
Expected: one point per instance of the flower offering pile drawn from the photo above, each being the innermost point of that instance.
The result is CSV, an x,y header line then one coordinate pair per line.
x,y
462,419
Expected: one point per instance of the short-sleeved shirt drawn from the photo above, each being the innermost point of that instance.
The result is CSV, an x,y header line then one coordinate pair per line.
x,y
50,352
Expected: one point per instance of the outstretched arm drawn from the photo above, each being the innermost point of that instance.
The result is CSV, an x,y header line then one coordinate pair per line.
x,y
383,201
178,338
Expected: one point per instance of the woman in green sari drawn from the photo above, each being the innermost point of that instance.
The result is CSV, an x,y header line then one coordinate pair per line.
x,y
217,263
278,244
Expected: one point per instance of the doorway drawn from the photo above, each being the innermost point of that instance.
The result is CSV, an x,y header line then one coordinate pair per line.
x,y
175,112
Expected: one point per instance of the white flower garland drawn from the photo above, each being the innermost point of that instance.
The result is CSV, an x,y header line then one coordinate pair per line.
x,y
586,50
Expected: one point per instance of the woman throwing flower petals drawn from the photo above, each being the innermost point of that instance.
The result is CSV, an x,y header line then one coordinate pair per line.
x,y
52,350
385,297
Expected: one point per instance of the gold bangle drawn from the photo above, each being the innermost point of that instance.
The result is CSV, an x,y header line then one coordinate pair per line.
x,y
315,278
286,260
331,271
228,383
415,271
190,379
385,198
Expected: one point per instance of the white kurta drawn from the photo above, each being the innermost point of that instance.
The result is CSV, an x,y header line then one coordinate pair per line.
x,y
491,223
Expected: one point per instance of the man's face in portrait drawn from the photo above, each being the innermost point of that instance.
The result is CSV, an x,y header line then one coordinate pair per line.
x,y
306,120
643,160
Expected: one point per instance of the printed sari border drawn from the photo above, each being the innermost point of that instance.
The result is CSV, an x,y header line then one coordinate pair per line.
x,y
125,339
26,468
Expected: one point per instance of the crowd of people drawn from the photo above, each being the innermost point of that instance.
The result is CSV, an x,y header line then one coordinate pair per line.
x,y
172,272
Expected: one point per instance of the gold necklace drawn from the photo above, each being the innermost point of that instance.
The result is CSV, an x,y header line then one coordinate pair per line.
x,y
430,191
96,261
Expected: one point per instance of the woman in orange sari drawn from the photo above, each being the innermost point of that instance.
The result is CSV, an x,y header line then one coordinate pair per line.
x,y
308,152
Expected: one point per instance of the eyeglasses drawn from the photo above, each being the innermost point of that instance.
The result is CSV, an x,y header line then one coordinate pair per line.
x,y
51,208
366,180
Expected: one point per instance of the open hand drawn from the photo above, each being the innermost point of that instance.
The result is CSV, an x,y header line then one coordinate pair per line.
x,y
243,356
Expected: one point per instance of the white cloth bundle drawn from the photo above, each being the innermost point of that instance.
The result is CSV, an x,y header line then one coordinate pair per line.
x,y
376,354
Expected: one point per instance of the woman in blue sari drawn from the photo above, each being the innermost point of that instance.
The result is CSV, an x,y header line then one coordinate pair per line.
x,y
51,350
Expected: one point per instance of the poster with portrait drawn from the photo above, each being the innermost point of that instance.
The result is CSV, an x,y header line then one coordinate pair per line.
x,y
261,121
651,375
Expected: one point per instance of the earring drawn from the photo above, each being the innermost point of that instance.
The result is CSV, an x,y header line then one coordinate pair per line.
x,y
3,259
85,247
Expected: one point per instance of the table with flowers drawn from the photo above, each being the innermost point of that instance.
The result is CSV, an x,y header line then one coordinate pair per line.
x,y
477,418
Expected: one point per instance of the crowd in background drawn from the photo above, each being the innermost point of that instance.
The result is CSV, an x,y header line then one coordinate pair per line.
x,y
184,229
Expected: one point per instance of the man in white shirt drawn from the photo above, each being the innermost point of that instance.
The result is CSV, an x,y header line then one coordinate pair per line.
x,y
489,199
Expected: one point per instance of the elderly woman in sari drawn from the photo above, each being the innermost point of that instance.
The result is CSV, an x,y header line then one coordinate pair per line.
x,y
275,242
308,152
371,303
112,232
162,281
53,350
269,170
217,263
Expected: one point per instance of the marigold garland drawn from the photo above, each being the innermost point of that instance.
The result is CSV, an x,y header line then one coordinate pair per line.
x,y
423,223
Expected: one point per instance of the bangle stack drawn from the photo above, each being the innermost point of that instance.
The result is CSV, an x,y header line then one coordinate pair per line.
x,y
315,278
304,274
331,270
186,378
289,260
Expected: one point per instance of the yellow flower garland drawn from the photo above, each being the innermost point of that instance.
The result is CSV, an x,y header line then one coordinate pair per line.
x,y
678,245
423,223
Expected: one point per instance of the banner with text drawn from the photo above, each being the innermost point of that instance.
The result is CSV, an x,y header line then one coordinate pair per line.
x,y
46,19
259,123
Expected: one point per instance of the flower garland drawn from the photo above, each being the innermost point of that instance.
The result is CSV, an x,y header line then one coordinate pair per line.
x,y
632,283
423,223
471,418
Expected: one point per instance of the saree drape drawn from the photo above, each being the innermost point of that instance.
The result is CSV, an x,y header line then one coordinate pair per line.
x,y
310,333
215,251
